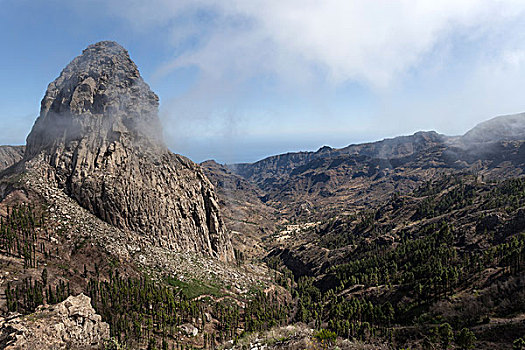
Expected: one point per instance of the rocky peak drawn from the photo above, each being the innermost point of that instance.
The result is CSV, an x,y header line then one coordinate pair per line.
x,y
100,134
98,99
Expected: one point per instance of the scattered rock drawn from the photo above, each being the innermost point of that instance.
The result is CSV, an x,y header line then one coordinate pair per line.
x,y
189,329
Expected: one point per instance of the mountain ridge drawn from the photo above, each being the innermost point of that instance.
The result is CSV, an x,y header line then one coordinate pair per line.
x,y
505,133
324,179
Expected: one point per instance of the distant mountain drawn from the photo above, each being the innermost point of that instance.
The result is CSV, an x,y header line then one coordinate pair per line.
x,y
331,179
508,127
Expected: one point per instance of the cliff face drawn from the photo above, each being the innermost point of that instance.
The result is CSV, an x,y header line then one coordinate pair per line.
x,y
99,131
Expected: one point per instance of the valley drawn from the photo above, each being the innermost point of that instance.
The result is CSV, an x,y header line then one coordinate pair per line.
x,y
403,235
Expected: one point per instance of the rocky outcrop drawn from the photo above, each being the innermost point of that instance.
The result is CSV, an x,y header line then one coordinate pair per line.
x,y
99,132
10,155
71,324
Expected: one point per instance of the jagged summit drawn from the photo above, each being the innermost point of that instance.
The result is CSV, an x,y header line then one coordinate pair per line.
x,y
99,98
109,46
98,137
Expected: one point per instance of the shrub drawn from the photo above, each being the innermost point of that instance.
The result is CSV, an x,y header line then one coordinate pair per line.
x,y
325,336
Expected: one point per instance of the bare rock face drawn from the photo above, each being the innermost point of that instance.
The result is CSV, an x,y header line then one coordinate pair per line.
x,y
71,324
99,130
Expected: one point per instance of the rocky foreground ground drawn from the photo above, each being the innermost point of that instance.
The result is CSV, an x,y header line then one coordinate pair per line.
x,y
71,324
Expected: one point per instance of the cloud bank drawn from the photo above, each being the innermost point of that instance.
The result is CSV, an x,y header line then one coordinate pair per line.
x,y
369,41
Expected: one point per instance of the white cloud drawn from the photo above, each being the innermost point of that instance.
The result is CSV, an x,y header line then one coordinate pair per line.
x,y
369,41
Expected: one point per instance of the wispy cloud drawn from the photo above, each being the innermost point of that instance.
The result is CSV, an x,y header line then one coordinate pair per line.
x,y
369,41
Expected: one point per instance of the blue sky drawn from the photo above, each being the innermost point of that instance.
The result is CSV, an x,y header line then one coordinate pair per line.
x,y
240,80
